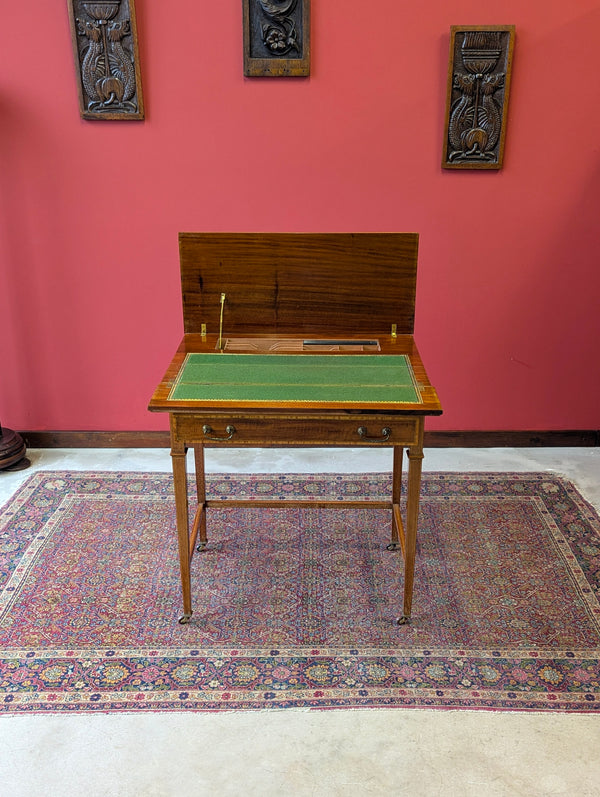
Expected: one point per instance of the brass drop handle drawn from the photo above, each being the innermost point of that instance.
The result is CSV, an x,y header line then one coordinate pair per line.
x,y
208,431
385,435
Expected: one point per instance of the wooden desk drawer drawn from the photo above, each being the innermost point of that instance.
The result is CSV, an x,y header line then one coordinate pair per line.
x,y
237,430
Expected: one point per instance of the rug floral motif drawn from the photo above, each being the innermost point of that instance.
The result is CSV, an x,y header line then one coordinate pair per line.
x,y
296,606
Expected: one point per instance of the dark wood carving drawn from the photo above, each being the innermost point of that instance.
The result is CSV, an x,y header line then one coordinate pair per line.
x,y
477,96
276,38
105,46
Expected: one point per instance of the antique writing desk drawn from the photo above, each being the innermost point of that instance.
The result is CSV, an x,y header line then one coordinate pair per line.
x,y
297,340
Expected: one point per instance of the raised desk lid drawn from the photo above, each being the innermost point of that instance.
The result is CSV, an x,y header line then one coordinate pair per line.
x,y
336,284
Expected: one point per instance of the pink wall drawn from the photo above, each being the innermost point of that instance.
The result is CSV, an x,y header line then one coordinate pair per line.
x,y
507,305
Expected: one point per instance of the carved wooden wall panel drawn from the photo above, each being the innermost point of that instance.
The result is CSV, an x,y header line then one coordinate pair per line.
x,y
105,46
276,38
477,96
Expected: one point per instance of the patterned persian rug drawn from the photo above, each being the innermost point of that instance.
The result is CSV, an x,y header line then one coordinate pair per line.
x,y
295,607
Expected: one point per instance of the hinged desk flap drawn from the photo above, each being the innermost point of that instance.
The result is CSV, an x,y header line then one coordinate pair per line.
x,y
337,284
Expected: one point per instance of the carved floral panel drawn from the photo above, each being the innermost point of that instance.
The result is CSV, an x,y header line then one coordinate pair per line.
x,y
477,96
104,38
276,38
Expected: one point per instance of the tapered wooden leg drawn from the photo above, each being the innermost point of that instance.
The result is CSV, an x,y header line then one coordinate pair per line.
x,y
397,474
178,456
397,528
201,493
415,461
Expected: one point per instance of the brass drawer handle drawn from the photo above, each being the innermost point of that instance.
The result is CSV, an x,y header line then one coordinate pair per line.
x,y
208,431
385,435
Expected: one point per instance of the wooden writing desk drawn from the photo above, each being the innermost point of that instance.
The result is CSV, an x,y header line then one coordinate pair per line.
x,y
311,345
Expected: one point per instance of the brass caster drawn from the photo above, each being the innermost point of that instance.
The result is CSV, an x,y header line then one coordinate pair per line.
x,y
404,620
201,546
185,618
393,546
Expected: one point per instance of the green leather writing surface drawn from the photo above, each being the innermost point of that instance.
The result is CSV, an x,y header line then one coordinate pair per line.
x,y
317,378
